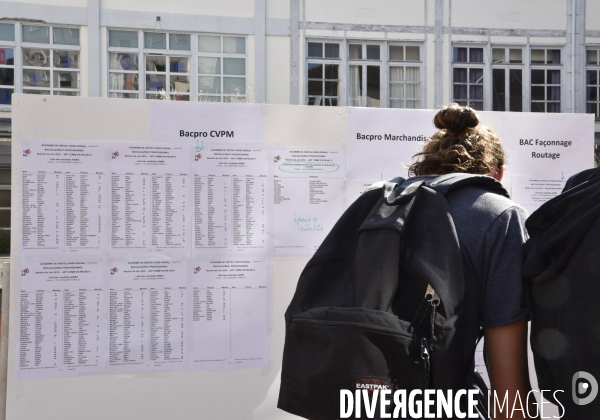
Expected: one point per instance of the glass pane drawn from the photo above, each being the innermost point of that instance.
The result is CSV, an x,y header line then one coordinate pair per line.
x,y
39,34
459,55
516,55
209,43
65,36
396,74
179,42
355,86
234,45
355,52
413,54
36,58
332,50
313,101
156,63
592,56
234,85
475,75
315,71
592,77
553,93
209,65
373,86
5,176
155,82
155,41
315,87
591,94
553,107
234,66
65,93
121,61
515,91
537,93
205,98
498,55
315,50
537,77
395,103
396,53
331,71
36,92
397,90
475,55
180,97
7,56
478,106
460,92
498,90
179,64
36,78
237,99
538,57
553,77
460,75
125,39
475,92
413,74
330,102
123,81
553,57
66,79
413,104
180,84
373,52
209,84
413,90
157,96
124,95
5,218
66,59
331,89
7,32
7,77
6,96
592,109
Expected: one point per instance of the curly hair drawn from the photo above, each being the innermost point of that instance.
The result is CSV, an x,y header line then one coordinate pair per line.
x,y
460,145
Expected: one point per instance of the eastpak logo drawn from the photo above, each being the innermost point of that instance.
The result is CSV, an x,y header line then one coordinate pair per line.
x,y
371,384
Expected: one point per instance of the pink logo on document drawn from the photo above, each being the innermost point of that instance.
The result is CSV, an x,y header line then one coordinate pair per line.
x,y
197,270
113,270
26,152
115,155
25,271
276,159
198,157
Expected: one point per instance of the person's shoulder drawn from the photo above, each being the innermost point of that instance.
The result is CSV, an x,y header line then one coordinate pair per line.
x,y
481,203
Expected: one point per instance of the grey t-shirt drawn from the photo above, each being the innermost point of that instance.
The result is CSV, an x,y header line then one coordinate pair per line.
x,y
491,232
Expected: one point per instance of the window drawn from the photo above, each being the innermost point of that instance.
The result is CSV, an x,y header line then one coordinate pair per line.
x,y
405,76
364,76
467,76
7,63
592,82
323,74
5,171
50,60
545,79
507,79
221,68
123,64
167,69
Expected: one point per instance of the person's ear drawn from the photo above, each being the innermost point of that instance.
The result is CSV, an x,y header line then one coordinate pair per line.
x,y
499,174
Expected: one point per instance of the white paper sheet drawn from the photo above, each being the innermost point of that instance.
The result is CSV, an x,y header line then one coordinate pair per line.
x,y
230,314
202,124
308,196
230,200
381,142
151,192
62,317
355,188
148,312
64,197
532,191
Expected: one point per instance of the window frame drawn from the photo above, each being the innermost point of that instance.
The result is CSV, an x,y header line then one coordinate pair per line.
x,y
596,68
468,65
341,101
546,67
507,66
404,64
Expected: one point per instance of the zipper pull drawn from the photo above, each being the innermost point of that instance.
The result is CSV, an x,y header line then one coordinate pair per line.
x,y
431,296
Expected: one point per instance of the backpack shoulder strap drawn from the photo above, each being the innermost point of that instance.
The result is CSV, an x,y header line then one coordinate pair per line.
x,y
450,182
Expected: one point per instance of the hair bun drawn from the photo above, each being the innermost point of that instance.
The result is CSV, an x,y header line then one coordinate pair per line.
x,y
456,118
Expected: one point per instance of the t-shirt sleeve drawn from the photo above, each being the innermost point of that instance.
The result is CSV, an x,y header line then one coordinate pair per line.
x,y
505,293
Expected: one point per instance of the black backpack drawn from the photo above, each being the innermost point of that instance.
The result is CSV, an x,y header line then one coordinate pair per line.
x,y
563,266
381,303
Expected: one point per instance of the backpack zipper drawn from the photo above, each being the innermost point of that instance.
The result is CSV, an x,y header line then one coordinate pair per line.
x,y
350,325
